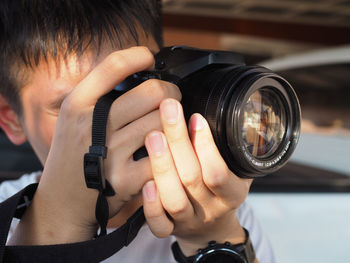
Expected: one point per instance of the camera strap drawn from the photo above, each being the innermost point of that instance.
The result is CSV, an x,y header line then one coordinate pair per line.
x,y
95,250
93,160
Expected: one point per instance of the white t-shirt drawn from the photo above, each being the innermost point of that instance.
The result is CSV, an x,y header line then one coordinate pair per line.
x,y
146,248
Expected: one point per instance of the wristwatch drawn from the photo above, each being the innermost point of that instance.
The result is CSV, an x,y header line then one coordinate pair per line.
x,y
219,253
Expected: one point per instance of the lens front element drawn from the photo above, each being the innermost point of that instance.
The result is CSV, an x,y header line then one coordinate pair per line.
x,y
254,116
263,123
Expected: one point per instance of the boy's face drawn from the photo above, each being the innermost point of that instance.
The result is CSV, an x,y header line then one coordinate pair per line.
x,y
49,84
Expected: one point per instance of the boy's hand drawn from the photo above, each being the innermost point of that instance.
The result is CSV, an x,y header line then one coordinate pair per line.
x,y
194,195
63,209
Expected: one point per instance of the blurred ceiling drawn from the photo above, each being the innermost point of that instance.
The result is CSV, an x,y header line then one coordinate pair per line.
x,y
315,21
322,12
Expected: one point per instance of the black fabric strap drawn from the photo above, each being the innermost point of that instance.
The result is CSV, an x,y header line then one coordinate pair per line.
x,y
14,206
94,250
100,116
93,161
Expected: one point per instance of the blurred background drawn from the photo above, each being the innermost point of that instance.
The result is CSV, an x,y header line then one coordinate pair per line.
x,y
305,207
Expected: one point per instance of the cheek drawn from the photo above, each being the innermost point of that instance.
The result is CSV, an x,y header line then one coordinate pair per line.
x,y
41,137
39,130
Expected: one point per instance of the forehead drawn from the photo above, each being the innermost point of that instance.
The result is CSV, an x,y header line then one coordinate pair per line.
x,y
52,80
55,75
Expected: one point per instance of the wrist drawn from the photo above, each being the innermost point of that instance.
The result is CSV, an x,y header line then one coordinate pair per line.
x,y
227,230
190,247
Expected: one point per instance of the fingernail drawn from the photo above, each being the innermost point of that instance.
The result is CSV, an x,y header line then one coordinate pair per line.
x,y
156,143
170,111
150,191
197,122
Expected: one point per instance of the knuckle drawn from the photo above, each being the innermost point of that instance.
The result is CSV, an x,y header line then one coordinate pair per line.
x,y
175,91
191,180
161,168
147,53
176,137
157,89
162,89
217,177
208,220
177,209
163,233
159,227
116,62
172,91
154,214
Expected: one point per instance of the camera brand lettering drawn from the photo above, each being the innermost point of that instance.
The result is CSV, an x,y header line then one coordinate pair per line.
x,y
269,163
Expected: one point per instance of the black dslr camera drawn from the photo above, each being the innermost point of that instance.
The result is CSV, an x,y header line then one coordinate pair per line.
x,y
253,113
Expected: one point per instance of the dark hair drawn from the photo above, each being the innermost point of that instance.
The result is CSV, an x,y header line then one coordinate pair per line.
x,y
33,30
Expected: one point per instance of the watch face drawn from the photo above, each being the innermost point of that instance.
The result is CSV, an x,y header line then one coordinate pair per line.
x,y
220,256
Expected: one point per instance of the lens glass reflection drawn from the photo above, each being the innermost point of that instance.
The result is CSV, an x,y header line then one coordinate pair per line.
x,y
263,123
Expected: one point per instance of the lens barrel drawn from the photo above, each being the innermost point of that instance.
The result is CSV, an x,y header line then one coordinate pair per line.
x,y
253,113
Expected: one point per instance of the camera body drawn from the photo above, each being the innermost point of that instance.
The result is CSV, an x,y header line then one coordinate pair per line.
x,y
254,114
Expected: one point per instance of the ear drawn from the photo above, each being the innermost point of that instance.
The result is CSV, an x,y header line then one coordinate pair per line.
x,y
9,122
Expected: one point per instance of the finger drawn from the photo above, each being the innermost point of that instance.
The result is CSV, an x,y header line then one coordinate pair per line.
x,y
140,100
130,174
172,194
180,145
110,72
130,138
216,175
156,217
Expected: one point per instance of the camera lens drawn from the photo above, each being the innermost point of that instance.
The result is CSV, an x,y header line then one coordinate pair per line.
x,y
263,123
253,113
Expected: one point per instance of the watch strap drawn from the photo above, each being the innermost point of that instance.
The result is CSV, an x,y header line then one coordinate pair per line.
x,y
179,255
248,250
245,250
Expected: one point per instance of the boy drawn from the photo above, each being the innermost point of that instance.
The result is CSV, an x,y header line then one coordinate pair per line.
x,y
58,58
